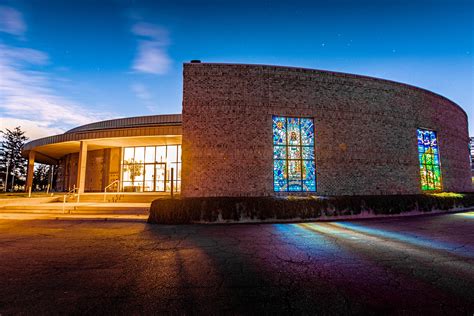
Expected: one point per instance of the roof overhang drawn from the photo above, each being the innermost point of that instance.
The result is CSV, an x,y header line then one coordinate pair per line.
x,y
50,149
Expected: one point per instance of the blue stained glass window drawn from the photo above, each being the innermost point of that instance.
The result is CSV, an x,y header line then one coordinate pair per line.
x,y
309,178
294,152
279,131
279,152
280,175
307,131
308,153
294,135
294,167
428,156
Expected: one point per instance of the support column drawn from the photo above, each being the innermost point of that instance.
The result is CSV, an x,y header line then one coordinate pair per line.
x,y
81,168
30,170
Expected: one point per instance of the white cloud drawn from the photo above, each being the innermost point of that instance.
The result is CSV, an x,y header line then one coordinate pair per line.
x,y
19,55
26,96
157,33
142,92
11,21
33,129
152,56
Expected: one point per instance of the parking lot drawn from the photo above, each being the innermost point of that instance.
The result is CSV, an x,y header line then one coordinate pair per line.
x,y
86,265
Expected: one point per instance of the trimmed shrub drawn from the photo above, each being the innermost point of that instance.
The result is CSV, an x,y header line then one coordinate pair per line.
x,y
235,209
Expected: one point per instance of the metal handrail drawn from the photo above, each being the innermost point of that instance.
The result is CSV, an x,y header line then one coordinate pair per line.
x,y
71,192
112,183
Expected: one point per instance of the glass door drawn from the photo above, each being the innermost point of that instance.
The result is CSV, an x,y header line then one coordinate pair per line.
x,y
160,176
149,184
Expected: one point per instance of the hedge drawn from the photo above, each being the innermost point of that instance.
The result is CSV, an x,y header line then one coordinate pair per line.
x,y
235,209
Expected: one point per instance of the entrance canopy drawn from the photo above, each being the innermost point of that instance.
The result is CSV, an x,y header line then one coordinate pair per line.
x,y
50,153
137,131
143,131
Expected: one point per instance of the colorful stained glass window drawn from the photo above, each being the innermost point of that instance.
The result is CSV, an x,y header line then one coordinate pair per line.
x,y
294,168
428,155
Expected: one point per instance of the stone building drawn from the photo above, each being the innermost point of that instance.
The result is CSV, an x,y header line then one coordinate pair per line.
x,y
255,130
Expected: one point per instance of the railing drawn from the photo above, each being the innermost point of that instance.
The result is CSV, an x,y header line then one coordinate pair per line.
x,y
71,192
111,184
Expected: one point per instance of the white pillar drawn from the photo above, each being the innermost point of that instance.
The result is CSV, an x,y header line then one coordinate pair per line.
x,y
81,168
30,170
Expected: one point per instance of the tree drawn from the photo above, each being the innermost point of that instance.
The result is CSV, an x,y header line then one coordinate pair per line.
x,y
12,164
135,169
41,177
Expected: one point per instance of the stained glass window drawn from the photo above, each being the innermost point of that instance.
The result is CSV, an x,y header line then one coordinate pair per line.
x,y
428,155
294,168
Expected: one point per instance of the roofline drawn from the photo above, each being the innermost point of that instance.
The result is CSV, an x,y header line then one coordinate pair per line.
x,y
72,134
340,74
83,128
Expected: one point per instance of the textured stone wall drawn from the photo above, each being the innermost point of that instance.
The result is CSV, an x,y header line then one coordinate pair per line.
x,y
95,171
60,176
100,163
112,160
365,130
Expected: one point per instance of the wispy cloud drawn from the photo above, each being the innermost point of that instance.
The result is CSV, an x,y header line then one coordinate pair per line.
x,y
152,56
11,21
142,92
27,98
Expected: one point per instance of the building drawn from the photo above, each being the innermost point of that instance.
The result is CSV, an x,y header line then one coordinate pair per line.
x,y
471,155
255,130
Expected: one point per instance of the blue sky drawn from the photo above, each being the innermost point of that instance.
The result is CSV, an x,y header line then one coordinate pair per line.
x,y
67,63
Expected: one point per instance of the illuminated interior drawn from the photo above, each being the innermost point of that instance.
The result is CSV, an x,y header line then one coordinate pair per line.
x,y
148,169
293,155
428,154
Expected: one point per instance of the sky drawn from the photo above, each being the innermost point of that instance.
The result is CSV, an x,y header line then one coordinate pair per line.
x,y
67,63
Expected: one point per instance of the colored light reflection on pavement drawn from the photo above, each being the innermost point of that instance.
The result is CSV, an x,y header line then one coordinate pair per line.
x,y
415,240
467,214
359,263
418,265
425,254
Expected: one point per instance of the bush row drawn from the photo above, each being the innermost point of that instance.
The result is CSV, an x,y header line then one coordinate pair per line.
x,y
213,209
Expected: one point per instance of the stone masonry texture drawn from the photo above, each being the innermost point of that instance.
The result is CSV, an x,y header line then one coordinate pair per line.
x,y
365,130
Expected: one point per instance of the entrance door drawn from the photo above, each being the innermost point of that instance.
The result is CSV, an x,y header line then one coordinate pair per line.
x,y
160,177
149,184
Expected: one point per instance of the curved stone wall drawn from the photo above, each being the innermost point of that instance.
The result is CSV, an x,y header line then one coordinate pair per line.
x,y
365,130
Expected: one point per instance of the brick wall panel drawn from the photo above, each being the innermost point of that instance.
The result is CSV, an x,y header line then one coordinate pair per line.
x,y
365,130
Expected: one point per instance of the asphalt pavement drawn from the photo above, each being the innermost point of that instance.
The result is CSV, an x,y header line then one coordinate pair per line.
x,y
410,265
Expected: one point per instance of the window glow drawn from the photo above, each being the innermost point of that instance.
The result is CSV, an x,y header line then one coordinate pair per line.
x,y
149,168
293,155
428,155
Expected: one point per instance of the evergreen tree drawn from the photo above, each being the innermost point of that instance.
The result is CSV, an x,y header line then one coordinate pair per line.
x,y
10,157
41,177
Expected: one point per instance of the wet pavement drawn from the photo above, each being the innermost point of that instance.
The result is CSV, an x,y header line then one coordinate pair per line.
x,y
417,265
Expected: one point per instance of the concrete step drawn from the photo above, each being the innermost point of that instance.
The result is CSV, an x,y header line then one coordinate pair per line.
x,y
27,201
79,208
117,197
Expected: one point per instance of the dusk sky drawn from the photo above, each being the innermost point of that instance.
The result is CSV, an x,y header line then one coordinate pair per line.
x,y
68,63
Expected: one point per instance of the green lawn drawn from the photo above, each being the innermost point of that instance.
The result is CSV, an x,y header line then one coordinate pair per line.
x,y
10,195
